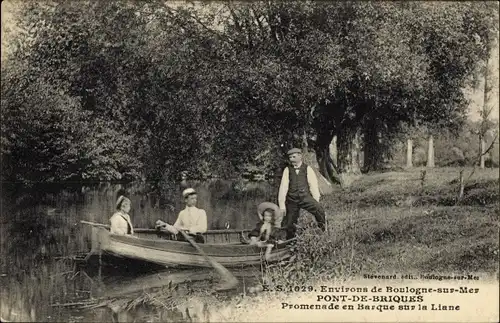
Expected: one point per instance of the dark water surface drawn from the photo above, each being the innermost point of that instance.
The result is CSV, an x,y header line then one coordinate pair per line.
x,y
41,234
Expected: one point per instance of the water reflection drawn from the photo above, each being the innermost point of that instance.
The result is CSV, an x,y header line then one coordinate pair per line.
x,y
165,286
41,233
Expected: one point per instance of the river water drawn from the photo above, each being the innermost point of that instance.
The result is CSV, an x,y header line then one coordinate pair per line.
x,y
41,234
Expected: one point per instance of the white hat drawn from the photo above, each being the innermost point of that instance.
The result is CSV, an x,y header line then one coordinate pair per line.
x,y
188,191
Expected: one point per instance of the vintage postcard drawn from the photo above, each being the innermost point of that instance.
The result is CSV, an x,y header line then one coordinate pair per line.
x,y
249,161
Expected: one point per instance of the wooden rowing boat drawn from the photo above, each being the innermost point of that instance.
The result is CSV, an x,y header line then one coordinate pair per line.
x,y
151,245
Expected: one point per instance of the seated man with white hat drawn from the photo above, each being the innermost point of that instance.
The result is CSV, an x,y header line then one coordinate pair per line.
x,y
192,219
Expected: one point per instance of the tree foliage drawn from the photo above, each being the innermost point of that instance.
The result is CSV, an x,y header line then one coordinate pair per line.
x,y
111,90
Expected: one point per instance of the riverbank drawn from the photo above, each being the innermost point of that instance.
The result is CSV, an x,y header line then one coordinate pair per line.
x,y
392,222
385,224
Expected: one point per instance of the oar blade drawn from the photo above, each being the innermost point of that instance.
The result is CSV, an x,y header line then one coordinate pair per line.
x,y
229,279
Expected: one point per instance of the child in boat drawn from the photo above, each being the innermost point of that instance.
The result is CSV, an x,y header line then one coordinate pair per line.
x,y
268,230
192,219
120,221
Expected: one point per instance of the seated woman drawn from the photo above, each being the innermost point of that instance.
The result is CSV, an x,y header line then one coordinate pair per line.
x,y
120,221
192,220
268,230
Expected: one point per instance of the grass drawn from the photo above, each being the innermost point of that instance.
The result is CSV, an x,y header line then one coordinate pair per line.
x,y
438,239
440,187
413,227
384,223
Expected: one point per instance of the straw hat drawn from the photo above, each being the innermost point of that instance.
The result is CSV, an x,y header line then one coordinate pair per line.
x,y
188,191
268,205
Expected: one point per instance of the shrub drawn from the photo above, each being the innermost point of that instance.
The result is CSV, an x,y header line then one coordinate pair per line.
x,y
317,256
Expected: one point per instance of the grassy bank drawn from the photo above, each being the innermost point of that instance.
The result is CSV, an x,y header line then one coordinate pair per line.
x,y
391,222
420,187
394,223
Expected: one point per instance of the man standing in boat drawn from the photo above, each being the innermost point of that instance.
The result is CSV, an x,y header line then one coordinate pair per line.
x,y
299,190
192,219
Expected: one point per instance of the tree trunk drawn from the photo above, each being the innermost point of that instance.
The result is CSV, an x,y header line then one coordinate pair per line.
x,y
482,158
485,115
430,152
372,153
409,153
324,184
361,158
326,164
305,148
333,151
461,188
348,162
355,153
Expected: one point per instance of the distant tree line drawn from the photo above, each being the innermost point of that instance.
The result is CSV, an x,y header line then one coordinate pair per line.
x,y
127,90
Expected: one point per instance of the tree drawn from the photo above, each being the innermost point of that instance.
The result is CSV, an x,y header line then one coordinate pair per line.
x,y
153,89
59,99
376,66
486,124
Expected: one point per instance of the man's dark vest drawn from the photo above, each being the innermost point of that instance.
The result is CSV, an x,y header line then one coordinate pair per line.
x,y
298,185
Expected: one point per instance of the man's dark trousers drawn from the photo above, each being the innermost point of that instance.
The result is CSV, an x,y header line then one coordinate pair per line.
x,y
293,205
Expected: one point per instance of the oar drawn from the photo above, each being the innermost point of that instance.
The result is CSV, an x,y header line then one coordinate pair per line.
x,y
225,274
95,224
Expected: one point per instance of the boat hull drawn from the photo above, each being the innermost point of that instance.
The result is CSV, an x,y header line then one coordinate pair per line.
x,y
172,253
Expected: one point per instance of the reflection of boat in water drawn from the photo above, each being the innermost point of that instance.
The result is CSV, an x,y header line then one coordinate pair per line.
x,y
150,245
127,286
172,289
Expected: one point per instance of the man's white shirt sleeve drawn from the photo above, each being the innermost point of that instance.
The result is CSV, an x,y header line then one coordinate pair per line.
x,y
283,191
313,183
